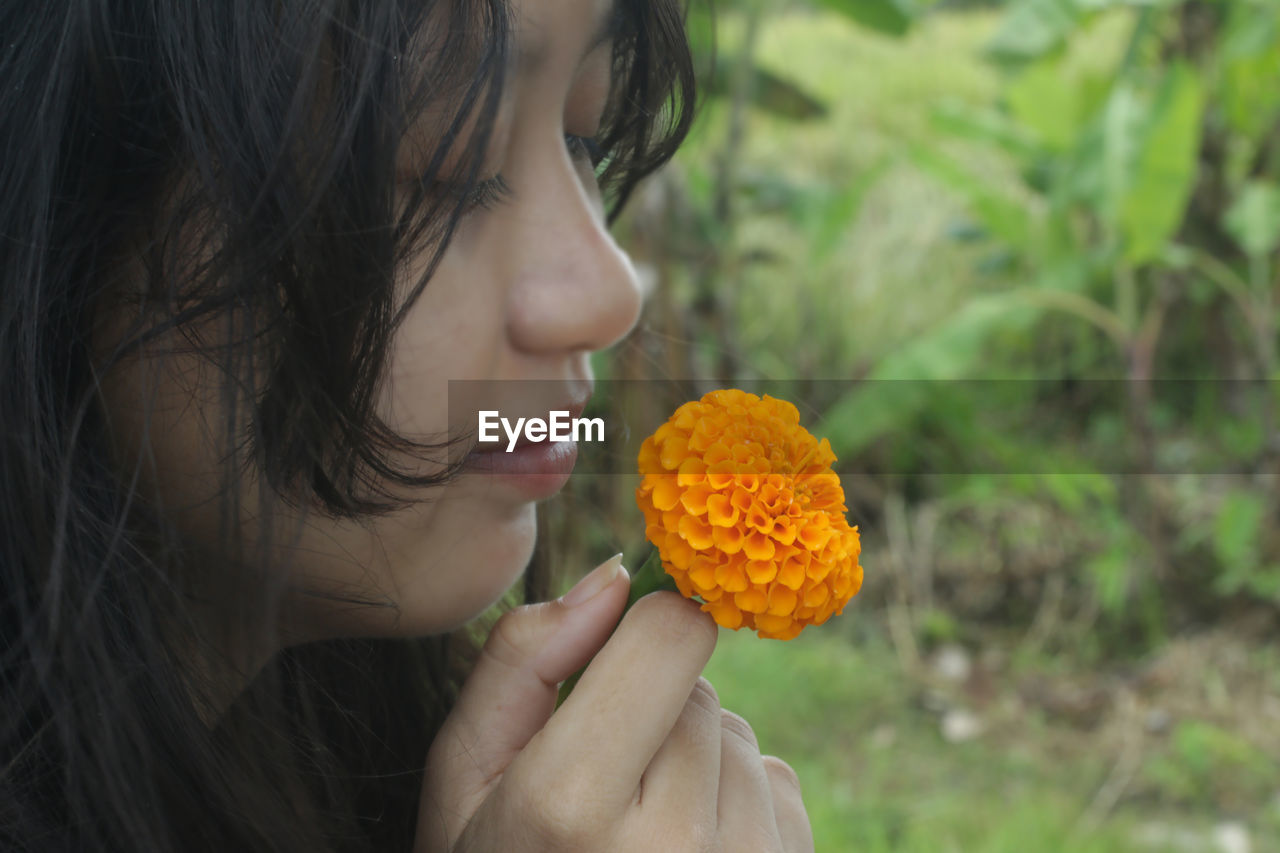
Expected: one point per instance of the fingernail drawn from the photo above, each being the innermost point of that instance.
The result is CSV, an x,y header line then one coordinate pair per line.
x,y
600,577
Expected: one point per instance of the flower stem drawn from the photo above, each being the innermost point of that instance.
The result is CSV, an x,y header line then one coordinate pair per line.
x,y
650,577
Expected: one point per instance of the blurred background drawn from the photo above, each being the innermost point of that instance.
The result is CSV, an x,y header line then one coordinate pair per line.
x,y
1038,234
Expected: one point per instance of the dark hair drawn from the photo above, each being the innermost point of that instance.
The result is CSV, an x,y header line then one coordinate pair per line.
x,y
236,157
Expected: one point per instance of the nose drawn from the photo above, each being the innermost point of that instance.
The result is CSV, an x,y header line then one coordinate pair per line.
x,y
571,287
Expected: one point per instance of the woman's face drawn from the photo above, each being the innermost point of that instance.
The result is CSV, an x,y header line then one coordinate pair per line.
x,y
526,290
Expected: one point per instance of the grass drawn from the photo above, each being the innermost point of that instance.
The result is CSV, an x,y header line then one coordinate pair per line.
x,y
878,775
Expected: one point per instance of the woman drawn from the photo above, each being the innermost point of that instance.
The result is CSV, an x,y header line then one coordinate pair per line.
x,y
246,248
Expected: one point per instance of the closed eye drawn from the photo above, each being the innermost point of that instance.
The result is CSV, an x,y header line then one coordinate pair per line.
x,y
491,192
487,194
484,194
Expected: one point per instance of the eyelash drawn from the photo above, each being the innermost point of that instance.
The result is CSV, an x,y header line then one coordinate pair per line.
x,y
487,194
491,192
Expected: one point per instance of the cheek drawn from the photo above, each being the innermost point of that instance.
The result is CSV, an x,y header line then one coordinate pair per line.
x,y
455,330
444,560
433,566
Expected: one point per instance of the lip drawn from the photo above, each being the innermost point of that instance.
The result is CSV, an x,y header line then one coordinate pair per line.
x,y
534,470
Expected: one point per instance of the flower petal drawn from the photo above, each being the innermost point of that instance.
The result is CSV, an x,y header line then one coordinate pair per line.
x,y
761,571
720,511
757,546
666,492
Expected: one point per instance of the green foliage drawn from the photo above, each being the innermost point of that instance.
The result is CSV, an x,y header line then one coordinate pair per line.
x,y
1249,65
1000,214
770,92
890,17
1100,202
1152,189
1237,539
816,701
1111,571
1067,218
1254,219
901,385
827,215
1034,28
1053,113
1204,763
1110,156
938,627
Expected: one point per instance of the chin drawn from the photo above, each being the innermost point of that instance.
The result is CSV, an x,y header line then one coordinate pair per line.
x,y
501,562
468,576
430,572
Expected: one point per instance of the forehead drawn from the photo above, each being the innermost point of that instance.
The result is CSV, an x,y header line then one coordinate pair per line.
x,y
544,27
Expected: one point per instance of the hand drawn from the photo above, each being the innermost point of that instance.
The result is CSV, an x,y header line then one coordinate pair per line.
x,y
640,757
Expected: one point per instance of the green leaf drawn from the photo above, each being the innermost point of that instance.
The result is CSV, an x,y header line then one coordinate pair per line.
x,y
650,577
951,349
1265,583
1075,491
1123,121
1042,101
1254,219
1236,532
1110,573
1003,217
896,395
989,127
1157,191
1033,28
770,93
828,219
700,29
889,17
1250,53
1250,96
868,412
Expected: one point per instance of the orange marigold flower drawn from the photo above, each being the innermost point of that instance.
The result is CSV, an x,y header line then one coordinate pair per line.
x,y
747,514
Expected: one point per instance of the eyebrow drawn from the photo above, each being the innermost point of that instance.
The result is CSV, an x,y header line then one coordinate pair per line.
x,y
608,27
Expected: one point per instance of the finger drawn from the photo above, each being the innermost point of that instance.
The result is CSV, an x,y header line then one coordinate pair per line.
x,y
511,693
683,777
745,802
788,807
629,697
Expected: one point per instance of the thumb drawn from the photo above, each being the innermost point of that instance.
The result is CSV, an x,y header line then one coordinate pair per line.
x,y
511,693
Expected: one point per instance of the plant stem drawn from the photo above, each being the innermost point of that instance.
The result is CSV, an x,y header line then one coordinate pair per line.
x,y
1084,308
